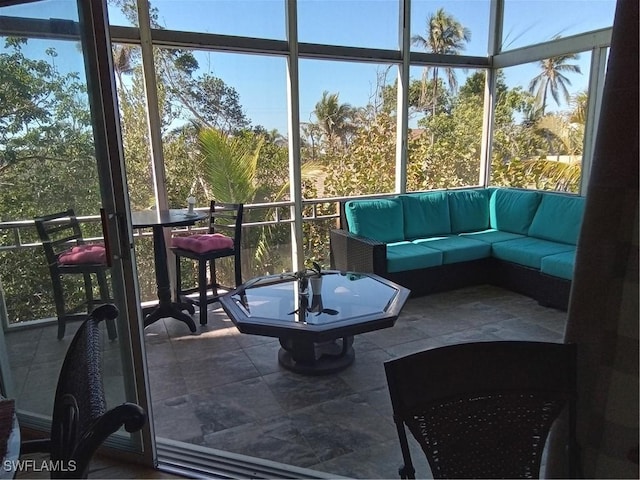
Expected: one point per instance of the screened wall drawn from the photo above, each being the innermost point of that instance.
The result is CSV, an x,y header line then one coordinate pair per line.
x,y
304,103
338,99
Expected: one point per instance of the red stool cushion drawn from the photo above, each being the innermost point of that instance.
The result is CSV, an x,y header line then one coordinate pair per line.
x,y
203,243
82,254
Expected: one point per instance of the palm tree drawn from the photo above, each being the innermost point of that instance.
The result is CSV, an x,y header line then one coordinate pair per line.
x,y
554,175
122,64
334,118
551,79
230,165
445,36
310,140
563,137
579,103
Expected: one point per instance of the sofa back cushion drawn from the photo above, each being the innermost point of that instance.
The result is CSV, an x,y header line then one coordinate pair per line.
x,y
513,210
469,210
425,214
380,219
558,218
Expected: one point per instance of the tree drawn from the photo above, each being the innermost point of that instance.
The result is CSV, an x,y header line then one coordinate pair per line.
x,y
335,120
122,63
579,103
250,168
209,100
389,95
230,165
552,79
563,137
445,36
447,153
47,164
43,114
368,166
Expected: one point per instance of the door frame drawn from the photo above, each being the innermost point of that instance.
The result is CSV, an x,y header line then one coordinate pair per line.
x,y
113,183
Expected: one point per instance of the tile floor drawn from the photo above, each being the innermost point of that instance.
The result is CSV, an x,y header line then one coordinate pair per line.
x,y
225,390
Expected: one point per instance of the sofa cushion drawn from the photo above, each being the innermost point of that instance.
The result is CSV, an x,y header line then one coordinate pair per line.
x,y
380,219
491,235
457,248
558,218
403,256
513,210
559,265
425,214
469,210
527,251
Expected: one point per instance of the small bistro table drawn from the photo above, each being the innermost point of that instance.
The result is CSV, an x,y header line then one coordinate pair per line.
x,y
315,328
157,220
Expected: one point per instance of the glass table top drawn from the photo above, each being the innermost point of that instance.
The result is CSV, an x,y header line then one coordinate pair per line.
x,y
282,299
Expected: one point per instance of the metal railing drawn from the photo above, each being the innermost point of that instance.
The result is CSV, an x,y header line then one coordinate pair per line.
x,y
19,235
16,226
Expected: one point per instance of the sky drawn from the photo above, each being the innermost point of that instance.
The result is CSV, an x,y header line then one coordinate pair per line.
x,y
261,81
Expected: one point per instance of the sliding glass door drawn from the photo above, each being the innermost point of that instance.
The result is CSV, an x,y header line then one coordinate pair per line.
x,y
60,149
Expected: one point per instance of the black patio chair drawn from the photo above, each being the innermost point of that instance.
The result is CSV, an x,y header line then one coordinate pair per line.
x,y
67,253
484,409
81,421
207,248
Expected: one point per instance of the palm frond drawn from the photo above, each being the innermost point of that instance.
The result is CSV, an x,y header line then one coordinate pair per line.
x,y
564,176
230,165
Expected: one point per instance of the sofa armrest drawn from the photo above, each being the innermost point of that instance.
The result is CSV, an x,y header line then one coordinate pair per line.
x,y
354,253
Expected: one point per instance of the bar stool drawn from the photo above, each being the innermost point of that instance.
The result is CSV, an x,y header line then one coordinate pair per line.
x,y
207,248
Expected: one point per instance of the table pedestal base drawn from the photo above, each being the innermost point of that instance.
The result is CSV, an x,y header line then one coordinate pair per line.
x,y
311,358
172,310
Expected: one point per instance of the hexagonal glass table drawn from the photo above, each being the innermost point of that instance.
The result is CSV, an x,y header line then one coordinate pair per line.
x,y
315,318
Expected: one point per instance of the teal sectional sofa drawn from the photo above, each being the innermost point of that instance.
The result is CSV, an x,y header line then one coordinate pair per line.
x,y
518,239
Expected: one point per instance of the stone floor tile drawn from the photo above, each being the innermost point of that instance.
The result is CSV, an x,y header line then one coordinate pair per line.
x,y
222,389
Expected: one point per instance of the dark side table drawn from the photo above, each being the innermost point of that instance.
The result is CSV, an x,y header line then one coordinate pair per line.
x,y
158,220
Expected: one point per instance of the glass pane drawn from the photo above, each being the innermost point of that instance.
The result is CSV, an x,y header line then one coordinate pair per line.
x,y
248,18
351,23
527,22
266,248
465,23
216,117
445,111
230,92
239,118
122,13
321,218
137,155
539,124
348,128
48,164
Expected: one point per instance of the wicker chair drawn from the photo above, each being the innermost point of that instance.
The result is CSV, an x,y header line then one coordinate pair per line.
x,y
81,421
207,248
483,410
67,253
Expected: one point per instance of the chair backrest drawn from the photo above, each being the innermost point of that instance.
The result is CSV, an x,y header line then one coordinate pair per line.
x,y
81,422
483,409
58,232
226,218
